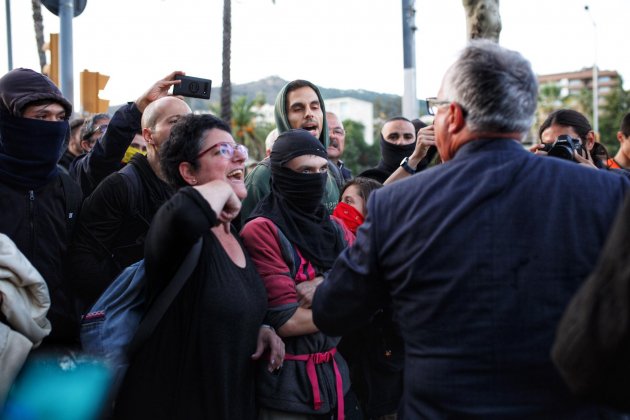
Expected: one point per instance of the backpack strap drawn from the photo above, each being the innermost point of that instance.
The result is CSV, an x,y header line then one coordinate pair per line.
x,y
289,253
159,306
134,189
73,198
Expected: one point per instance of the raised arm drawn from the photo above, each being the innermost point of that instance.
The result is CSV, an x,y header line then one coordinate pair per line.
x,y
180,222
424,140
107,154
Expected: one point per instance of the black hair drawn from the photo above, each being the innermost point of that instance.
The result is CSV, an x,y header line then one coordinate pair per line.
x,y
579,123
297,84
77,123
90,125
625,125
46,101
399,118
364,185
184,144
567,118
418,124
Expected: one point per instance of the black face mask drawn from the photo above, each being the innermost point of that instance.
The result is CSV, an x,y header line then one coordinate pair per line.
x,y
392,155
30,150
304,191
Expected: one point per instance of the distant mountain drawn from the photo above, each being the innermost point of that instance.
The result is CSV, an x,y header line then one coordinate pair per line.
x,y
385,104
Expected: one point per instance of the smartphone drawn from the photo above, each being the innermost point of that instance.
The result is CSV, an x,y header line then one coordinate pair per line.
x,y
194,87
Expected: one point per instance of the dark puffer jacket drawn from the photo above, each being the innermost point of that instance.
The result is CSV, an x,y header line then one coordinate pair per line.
x,y
37,218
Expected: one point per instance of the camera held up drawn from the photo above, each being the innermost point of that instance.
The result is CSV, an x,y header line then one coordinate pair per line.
x,y
563,147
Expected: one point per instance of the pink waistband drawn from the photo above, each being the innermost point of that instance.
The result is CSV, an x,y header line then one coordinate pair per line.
x,y
317,359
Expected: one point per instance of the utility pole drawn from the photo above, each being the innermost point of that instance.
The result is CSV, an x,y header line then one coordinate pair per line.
x,y
66,70
410,100
9,38
595,75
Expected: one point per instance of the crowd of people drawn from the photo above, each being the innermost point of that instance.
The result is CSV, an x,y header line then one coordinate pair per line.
x,y
425,287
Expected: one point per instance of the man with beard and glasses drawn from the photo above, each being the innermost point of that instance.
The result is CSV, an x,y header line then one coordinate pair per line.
x,y
337,144
293,242
298,105
38,203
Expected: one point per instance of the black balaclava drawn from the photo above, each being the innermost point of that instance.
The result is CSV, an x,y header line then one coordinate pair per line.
x,y
392,155
29,148
294,203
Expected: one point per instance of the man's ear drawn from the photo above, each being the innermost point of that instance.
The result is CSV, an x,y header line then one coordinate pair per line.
x,y
590,140
85,145
455,118
187,172
147,135
620,136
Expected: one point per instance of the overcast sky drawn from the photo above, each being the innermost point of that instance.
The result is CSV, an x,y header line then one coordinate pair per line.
x,y
347,44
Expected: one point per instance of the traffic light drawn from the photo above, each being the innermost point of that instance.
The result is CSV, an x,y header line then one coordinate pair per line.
x,y
91,84
52,68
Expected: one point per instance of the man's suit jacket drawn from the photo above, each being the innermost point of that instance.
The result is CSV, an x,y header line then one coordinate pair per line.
x,y
480,256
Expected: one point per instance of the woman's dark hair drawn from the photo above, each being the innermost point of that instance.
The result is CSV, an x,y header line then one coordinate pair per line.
x,y
364,185
577,121
625,125
184,144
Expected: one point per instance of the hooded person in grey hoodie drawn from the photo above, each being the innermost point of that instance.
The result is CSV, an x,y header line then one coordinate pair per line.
x,y
299,104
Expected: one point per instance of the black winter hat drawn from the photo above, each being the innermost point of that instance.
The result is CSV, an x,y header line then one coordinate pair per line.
x,y
21,86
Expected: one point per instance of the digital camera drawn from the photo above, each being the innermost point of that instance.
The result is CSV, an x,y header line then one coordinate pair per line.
x,y
563,147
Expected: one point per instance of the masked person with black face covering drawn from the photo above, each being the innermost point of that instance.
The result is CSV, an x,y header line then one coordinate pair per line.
x,y
299,104
293,242
38,203
398,142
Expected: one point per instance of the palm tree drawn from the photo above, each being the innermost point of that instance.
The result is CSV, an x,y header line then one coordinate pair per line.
x,y
38,21
226,84
483,19
549,99
244,126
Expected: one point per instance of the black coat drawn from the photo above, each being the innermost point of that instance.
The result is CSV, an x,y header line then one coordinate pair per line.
x,y
113,224
480,256
105,158
592,347
36,220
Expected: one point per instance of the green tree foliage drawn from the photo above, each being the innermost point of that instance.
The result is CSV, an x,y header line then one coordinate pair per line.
x,y
244,127
549,99
386,107
611,111
358,155
617,105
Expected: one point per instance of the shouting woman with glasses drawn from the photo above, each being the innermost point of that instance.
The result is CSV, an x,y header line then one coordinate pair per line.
x,y
200,361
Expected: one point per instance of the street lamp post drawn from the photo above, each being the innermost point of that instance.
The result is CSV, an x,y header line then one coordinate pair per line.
x,y
9,36
66,71
410,100
595,76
